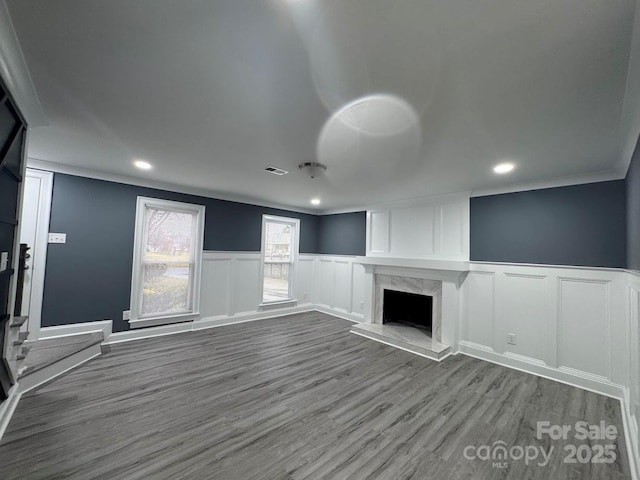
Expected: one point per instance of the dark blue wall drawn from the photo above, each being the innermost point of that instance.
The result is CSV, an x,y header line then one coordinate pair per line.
x,y
581,225
89,277
633,213
342,234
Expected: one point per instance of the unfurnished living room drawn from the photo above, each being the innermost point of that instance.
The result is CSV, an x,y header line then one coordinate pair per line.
x,y
309,239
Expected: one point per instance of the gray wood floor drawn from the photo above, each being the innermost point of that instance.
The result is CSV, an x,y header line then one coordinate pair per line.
x,y
292,398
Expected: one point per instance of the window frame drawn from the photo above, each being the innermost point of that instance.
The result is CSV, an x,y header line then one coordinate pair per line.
x,y
137,320
293,268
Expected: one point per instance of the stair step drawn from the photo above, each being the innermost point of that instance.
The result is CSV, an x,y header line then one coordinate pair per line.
x,y
24,351
17,322
22,337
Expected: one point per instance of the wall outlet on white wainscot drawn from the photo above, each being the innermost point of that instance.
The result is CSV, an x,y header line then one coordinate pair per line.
x,y
361,305
126,315
4,261
305,296
511,338
57,238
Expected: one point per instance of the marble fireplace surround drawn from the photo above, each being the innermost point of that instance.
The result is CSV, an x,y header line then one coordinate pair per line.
x,y
441,279
422,286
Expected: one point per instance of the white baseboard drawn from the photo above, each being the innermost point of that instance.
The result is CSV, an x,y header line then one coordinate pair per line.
x,y
104,326
53,371
222,320
8,407
575,378
204,323
336,312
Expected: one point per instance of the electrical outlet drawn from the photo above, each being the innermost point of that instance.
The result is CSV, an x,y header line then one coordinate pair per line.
x,y
57,238
361,305
4,261
126,315
511,338
305,296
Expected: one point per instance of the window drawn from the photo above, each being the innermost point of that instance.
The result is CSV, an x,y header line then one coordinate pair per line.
x,y
167,261
279,256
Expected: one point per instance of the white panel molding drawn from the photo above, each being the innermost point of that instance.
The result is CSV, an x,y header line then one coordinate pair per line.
x,y
580,321
428,228
558,363
575,378
378,232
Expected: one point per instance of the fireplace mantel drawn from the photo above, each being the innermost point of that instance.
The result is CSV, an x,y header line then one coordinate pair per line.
x,y
441,265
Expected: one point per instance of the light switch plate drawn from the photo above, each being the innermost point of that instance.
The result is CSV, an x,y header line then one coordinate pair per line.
x,y
4,261
57,238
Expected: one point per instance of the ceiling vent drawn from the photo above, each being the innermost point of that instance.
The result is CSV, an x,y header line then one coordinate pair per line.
x,y
276,171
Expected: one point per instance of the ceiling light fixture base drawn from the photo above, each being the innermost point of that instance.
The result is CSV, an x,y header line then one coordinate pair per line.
x,y
312,169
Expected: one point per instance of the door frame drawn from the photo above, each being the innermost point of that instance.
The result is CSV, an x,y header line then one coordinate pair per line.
x,y
39,250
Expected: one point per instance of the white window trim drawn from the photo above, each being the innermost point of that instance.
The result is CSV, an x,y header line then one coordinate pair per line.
x,y
294,259
138,250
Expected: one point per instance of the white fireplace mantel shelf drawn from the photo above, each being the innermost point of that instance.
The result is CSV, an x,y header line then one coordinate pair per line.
x,y
442,265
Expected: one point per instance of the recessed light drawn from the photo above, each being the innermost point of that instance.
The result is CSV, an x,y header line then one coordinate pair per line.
x,y
504,168
315,201
142,164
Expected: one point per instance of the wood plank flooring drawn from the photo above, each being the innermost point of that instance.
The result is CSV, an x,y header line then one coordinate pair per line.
x,y
296,397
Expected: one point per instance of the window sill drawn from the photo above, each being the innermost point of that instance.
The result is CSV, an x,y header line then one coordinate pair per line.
x,y
280,303
157,321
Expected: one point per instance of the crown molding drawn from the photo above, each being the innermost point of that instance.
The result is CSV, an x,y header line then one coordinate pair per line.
x,y
405,202
15,73
38,164
594,177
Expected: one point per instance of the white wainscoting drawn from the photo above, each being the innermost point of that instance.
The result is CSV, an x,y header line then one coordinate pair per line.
x,y
339,286
231,286
632,394
434,228
570,324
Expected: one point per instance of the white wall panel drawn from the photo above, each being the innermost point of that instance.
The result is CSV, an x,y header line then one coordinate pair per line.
x,y
214,295
325,282
523,307
378,232
452,229
479,308
246,284
433,228
420,221
584,325
342,285
304,279
358,294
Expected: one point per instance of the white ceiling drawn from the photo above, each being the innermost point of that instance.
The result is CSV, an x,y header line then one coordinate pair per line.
x,y
399,98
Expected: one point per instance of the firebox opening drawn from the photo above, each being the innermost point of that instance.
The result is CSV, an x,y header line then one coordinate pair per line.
x,y
409,309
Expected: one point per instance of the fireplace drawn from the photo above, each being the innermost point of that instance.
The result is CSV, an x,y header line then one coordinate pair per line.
x,y
411,309
438,280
